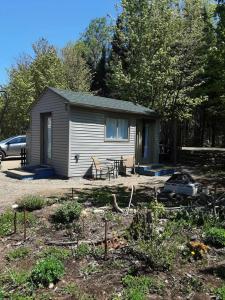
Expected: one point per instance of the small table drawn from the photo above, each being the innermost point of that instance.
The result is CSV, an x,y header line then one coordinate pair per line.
x,y
117,164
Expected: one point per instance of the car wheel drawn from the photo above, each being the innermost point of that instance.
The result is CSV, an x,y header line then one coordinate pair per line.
x,y
2,154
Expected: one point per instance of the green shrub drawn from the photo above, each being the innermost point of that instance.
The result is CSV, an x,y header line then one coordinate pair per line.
x,y
17,253
220,292
31,203
136,288
82,250
47,270
6,221
58,253
67,213
216,236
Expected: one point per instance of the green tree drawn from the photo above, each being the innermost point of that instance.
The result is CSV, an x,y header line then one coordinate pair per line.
x,y
97,39
27,79
77,72
159,56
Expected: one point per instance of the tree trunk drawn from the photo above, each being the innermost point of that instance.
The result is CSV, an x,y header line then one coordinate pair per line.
x,y
174,138
213,136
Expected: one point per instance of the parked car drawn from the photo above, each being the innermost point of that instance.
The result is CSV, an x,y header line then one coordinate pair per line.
x,y
12,146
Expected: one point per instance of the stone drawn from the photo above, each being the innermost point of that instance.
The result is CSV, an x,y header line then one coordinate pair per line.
x,y
51,285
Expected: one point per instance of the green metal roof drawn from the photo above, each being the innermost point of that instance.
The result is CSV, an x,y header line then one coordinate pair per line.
x,y
103,103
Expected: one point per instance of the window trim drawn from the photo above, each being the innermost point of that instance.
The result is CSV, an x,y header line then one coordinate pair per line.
x,y
116,139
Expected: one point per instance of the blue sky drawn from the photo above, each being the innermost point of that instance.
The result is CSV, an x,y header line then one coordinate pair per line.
x,y
22,22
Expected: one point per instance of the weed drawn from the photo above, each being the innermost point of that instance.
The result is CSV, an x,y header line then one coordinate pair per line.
x,y
190,284
17,253
58,253
2,294
75,291
31,203
82,250
6,221
138,287
90,269
47,270
67,213
220,292
216,236
15,277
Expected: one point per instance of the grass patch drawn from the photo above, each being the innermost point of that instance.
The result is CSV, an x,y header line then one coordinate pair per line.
x,y
6,221
17,253
76,293
58,253
216,236
137,287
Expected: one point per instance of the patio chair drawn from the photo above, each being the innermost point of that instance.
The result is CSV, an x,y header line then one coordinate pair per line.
x,y
128,163
102,168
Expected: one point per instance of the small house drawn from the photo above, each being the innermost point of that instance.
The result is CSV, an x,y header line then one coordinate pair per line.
x,y
68,128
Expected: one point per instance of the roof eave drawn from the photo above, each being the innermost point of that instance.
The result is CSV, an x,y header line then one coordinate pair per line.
x,y
150,114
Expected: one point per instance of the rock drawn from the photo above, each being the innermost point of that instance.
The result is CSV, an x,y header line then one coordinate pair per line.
x,y
88,204
51,285
201,296
194,238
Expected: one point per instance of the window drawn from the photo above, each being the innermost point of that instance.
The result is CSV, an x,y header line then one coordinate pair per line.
x,y
18,140
116,129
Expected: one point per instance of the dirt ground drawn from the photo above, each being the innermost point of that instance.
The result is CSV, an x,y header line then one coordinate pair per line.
x,y
13,189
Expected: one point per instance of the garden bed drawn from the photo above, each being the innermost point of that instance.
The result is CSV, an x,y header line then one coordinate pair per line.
x,y
152,253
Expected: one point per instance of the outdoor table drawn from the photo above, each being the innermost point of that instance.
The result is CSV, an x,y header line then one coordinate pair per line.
x,y
117,164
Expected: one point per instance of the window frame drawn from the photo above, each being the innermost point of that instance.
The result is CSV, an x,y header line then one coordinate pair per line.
x,y
117,139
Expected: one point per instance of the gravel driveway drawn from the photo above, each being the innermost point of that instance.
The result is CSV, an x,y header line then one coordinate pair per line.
x,y
13,189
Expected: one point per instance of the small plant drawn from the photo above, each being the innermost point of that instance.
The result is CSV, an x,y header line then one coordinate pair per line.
x,y
91,268
198,250
6,221
31,203
67,213
82,250
18,253
16,277
138,287
2,294
220,292
216,236
47,270
157,209
190,284
58,253
74,290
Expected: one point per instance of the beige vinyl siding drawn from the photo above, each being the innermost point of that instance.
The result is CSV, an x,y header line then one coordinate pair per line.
x,y
87,138
51,103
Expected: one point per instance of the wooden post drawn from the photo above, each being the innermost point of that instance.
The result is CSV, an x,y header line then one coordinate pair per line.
x,y
106,235
24,225
15,222
83,225
72,193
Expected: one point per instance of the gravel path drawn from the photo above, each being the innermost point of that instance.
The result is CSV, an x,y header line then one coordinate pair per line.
x,y
13,189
